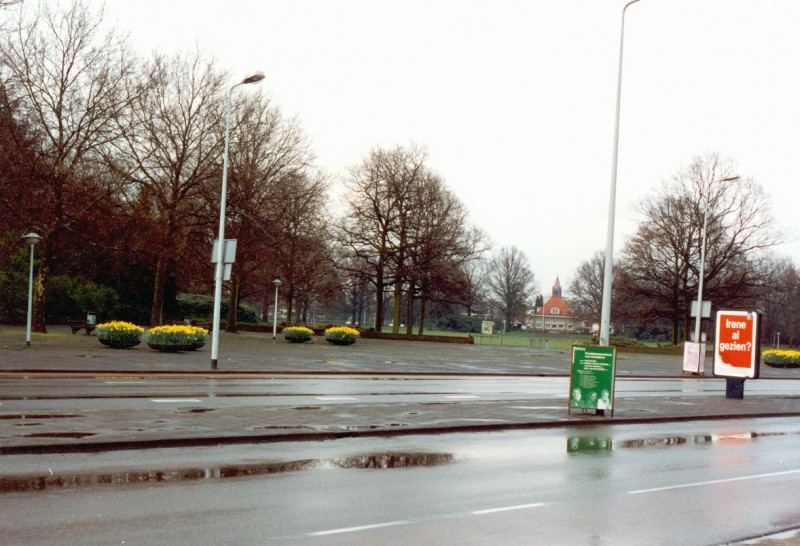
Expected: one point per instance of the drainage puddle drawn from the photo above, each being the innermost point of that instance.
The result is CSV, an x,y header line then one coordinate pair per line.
x,y
368,461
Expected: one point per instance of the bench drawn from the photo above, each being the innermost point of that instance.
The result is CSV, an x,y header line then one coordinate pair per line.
x,y
76,325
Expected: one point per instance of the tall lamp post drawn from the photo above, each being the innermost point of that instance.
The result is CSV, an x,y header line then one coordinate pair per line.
x,y
701,273
32,239
255,77
277,283
605,313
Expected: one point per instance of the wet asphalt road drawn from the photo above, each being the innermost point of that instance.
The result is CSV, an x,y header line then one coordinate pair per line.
x,y
687,467
685,484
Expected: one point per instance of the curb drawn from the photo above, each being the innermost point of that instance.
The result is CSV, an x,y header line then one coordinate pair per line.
x,y
211,441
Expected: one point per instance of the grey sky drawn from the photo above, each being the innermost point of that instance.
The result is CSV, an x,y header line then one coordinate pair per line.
x,y
515,99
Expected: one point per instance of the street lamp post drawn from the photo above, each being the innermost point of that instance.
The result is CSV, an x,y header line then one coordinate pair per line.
x,y
32,239
605,313
250,78
277,283
701,273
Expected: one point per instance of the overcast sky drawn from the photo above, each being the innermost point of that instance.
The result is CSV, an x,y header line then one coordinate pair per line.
x,y
515,98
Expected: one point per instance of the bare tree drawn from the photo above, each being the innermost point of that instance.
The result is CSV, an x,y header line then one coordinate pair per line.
x,y
374,228
511,282
586,288
71,82
663,256
439,243
777,298
275,199
170,153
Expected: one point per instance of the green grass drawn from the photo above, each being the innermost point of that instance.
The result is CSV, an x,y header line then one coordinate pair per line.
x,y
516,338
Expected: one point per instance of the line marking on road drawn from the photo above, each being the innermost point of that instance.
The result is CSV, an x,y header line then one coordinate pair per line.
x,y
330,398
714,482
174,400
357,529
461,396
125,382
508,508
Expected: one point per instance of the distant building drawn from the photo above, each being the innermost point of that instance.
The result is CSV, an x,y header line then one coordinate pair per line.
x,y
554,316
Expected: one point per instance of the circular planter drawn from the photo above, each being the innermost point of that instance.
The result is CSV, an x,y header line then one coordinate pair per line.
x,y
341,341
170,347
119,343
782,364
293,339
197,345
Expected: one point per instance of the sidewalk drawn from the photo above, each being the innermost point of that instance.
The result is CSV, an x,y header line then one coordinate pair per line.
x,y
61,354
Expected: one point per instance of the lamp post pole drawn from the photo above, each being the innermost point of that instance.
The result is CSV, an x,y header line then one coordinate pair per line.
x,y
32,239
277,283
701,273
605,313
219,272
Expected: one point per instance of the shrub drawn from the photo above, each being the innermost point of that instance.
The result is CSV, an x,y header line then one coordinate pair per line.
x,y
297,334
202,306
176,333
341,335
71,297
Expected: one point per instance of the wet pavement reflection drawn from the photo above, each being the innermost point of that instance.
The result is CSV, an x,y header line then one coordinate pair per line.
x,y
366,461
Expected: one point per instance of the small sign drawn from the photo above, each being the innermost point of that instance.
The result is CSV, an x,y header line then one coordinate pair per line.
x,y
228,254
487,327
737,351
591,384
706,308
694,357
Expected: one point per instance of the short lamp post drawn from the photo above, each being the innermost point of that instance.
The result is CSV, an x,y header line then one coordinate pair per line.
x,y
701,273
277,283
32,239
255,77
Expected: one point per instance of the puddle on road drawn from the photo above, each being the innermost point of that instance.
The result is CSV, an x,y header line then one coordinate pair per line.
x,y
367,461
38,416
59,434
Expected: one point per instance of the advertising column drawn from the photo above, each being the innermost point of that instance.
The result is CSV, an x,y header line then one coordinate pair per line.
x,y
737,351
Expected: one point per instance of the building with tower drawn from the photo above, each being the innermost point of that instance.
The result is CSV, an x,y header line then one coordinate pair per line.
x,y
553,315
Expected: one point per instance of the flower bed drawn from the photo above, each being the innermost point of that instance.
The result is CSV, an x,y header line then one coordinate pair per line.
x,y
176,337
341,335
297,334
781,358
119,334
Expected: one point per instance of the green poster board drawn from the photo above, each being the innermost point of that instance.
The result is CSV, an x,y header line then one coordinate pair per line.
x,y
591,384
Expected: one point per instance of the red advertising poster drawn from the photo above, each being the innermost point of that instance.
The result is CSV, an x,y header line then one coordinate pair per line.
x,y
736,349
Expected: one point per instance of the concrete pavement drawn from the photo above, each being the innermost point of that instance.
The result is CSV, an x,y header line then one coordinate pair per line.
x,y
63,355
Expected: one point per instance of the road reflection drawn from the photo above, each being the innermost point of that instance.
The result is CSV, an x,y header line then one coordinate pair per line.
x,y
365,461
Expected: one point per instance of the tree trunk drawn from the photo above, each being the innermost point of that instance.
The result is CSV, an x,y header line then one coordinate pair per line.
x,y
398,302
422,306
289,298
233,304
158,291
410,310
379,287
39,283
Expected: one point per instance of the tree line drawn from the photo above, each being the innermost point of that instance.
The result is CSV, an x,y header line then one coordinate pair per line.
x,y
657,276
116,161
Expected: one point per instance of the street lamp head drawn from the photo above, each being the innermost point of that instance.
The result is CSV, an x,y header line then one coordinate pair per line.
x,y
32,238
729,178
276,282
254,77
